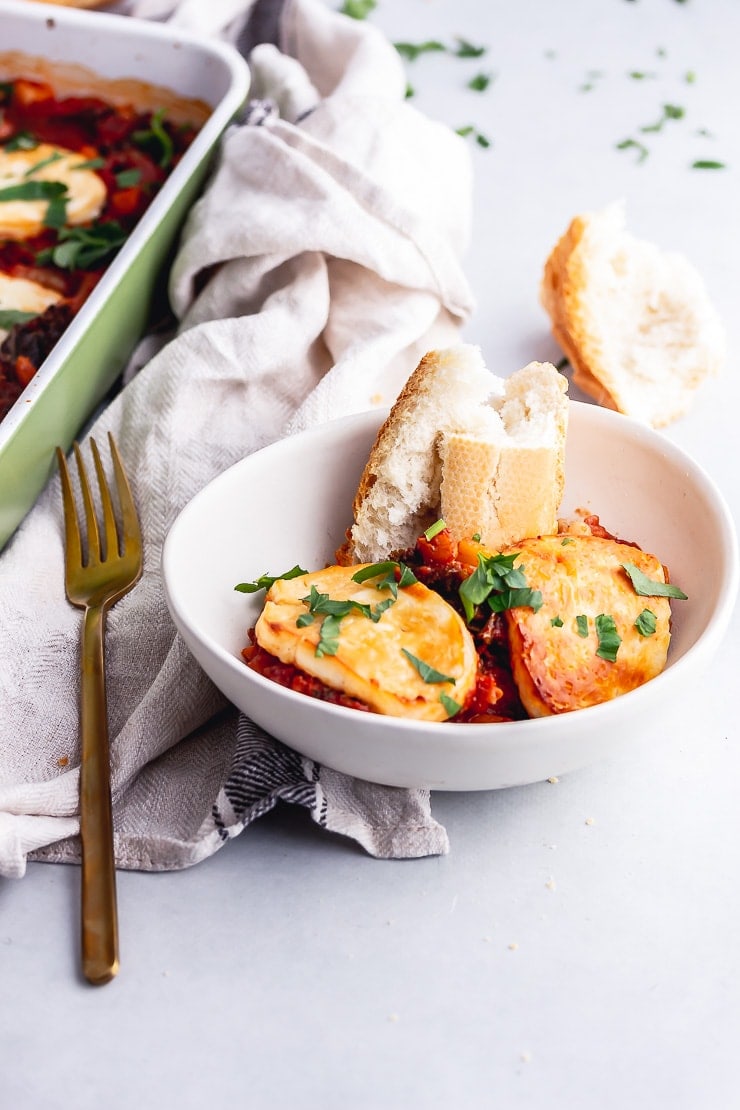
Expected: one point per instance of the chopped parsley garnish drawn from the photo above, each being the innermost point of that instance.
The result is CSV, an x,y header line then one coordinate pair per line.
x,y
648,587
499,583
707,164
670,111
56,212
427,673
33,190
632,144
319,603
451,706
358,9
55,156
156,139
564,542
469,131
480,82
89,164
609,638
266,580
127,178
22,140
646,623
513,599
466,49
412,50
83,248
328,636
582,625
557,622
386,573
52,191
334,611
9,317
434,529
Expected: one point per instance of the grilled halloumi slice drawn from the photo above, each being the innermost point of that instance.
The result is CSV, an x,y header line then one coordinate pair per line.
x,y
554,650
23,218
22,295
370,661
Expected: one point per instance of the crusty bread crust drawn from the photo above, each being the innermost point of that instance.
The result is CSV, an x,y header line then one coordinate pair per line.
x,y
635,323
565,275
484,453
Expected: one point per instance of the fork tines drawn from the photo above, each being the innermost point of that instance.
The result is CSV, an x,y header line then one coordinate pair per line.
x,y
112,544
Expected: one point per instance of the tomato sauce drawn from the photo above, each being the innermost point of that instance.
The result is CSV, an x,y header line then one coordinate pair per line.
x,y
437,564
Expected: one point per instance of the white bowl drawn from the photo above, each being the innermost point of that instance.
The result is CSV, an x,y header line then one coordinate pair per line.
x,y
291,502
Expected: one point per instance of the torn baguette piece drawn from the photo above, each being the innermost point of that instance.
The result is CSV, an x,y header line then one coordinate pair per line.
x,y
485,454
636,323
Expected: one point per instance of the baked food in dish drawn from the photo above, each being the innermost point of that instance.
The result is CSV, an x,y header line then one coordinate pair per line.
x,y
486,454
450,625
591,639
636,323
77,172
383,651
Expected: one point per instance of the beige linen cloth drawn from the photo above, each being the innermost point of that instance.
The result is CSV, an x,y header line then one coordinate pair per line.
x,y
321,261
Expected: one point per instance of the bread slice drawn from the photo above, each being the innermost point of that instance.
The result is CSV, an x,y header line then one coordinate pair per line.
x,y
636,323
484,453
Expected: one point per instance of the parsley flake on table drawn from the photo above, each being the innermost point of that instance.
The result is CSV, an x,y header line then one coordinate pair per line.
x,y
468,130
670,111
358,9
413,50
632,144
480,82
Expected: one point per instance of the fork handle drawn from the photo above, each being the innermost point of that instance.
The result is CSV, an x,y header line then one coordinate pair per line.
x,y
99,910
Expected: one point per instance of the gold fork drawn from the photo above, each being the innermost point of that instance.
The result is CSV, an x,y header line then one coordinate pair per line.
x,y
94,581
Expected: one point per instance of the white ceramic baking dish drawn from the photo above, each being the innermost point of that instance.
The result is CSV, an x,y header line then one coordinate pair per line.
x,y
125,59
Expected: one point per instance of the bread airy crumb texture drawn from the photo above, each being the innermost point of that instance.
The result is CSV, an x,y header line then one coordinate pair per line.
x,y
635,323
482,452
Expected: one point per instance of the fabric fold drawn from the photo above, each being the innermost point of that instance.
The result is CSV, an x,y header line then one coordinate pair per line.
x,y
320,262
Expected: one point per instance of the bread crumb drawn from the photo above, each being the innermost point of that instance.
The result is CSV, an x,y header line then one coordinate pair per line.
x,y
513,946
63,761
553,778
376,399
525,1057
550,884
393,1017
590,821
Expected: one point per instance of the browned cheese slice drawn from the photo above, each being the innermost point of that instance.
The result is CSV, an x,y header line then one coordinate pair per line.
x,y
555,668
370,663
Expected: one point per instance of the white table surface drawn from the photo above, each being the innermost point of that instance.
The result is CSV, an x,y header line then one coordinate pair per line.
x,y
578,947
